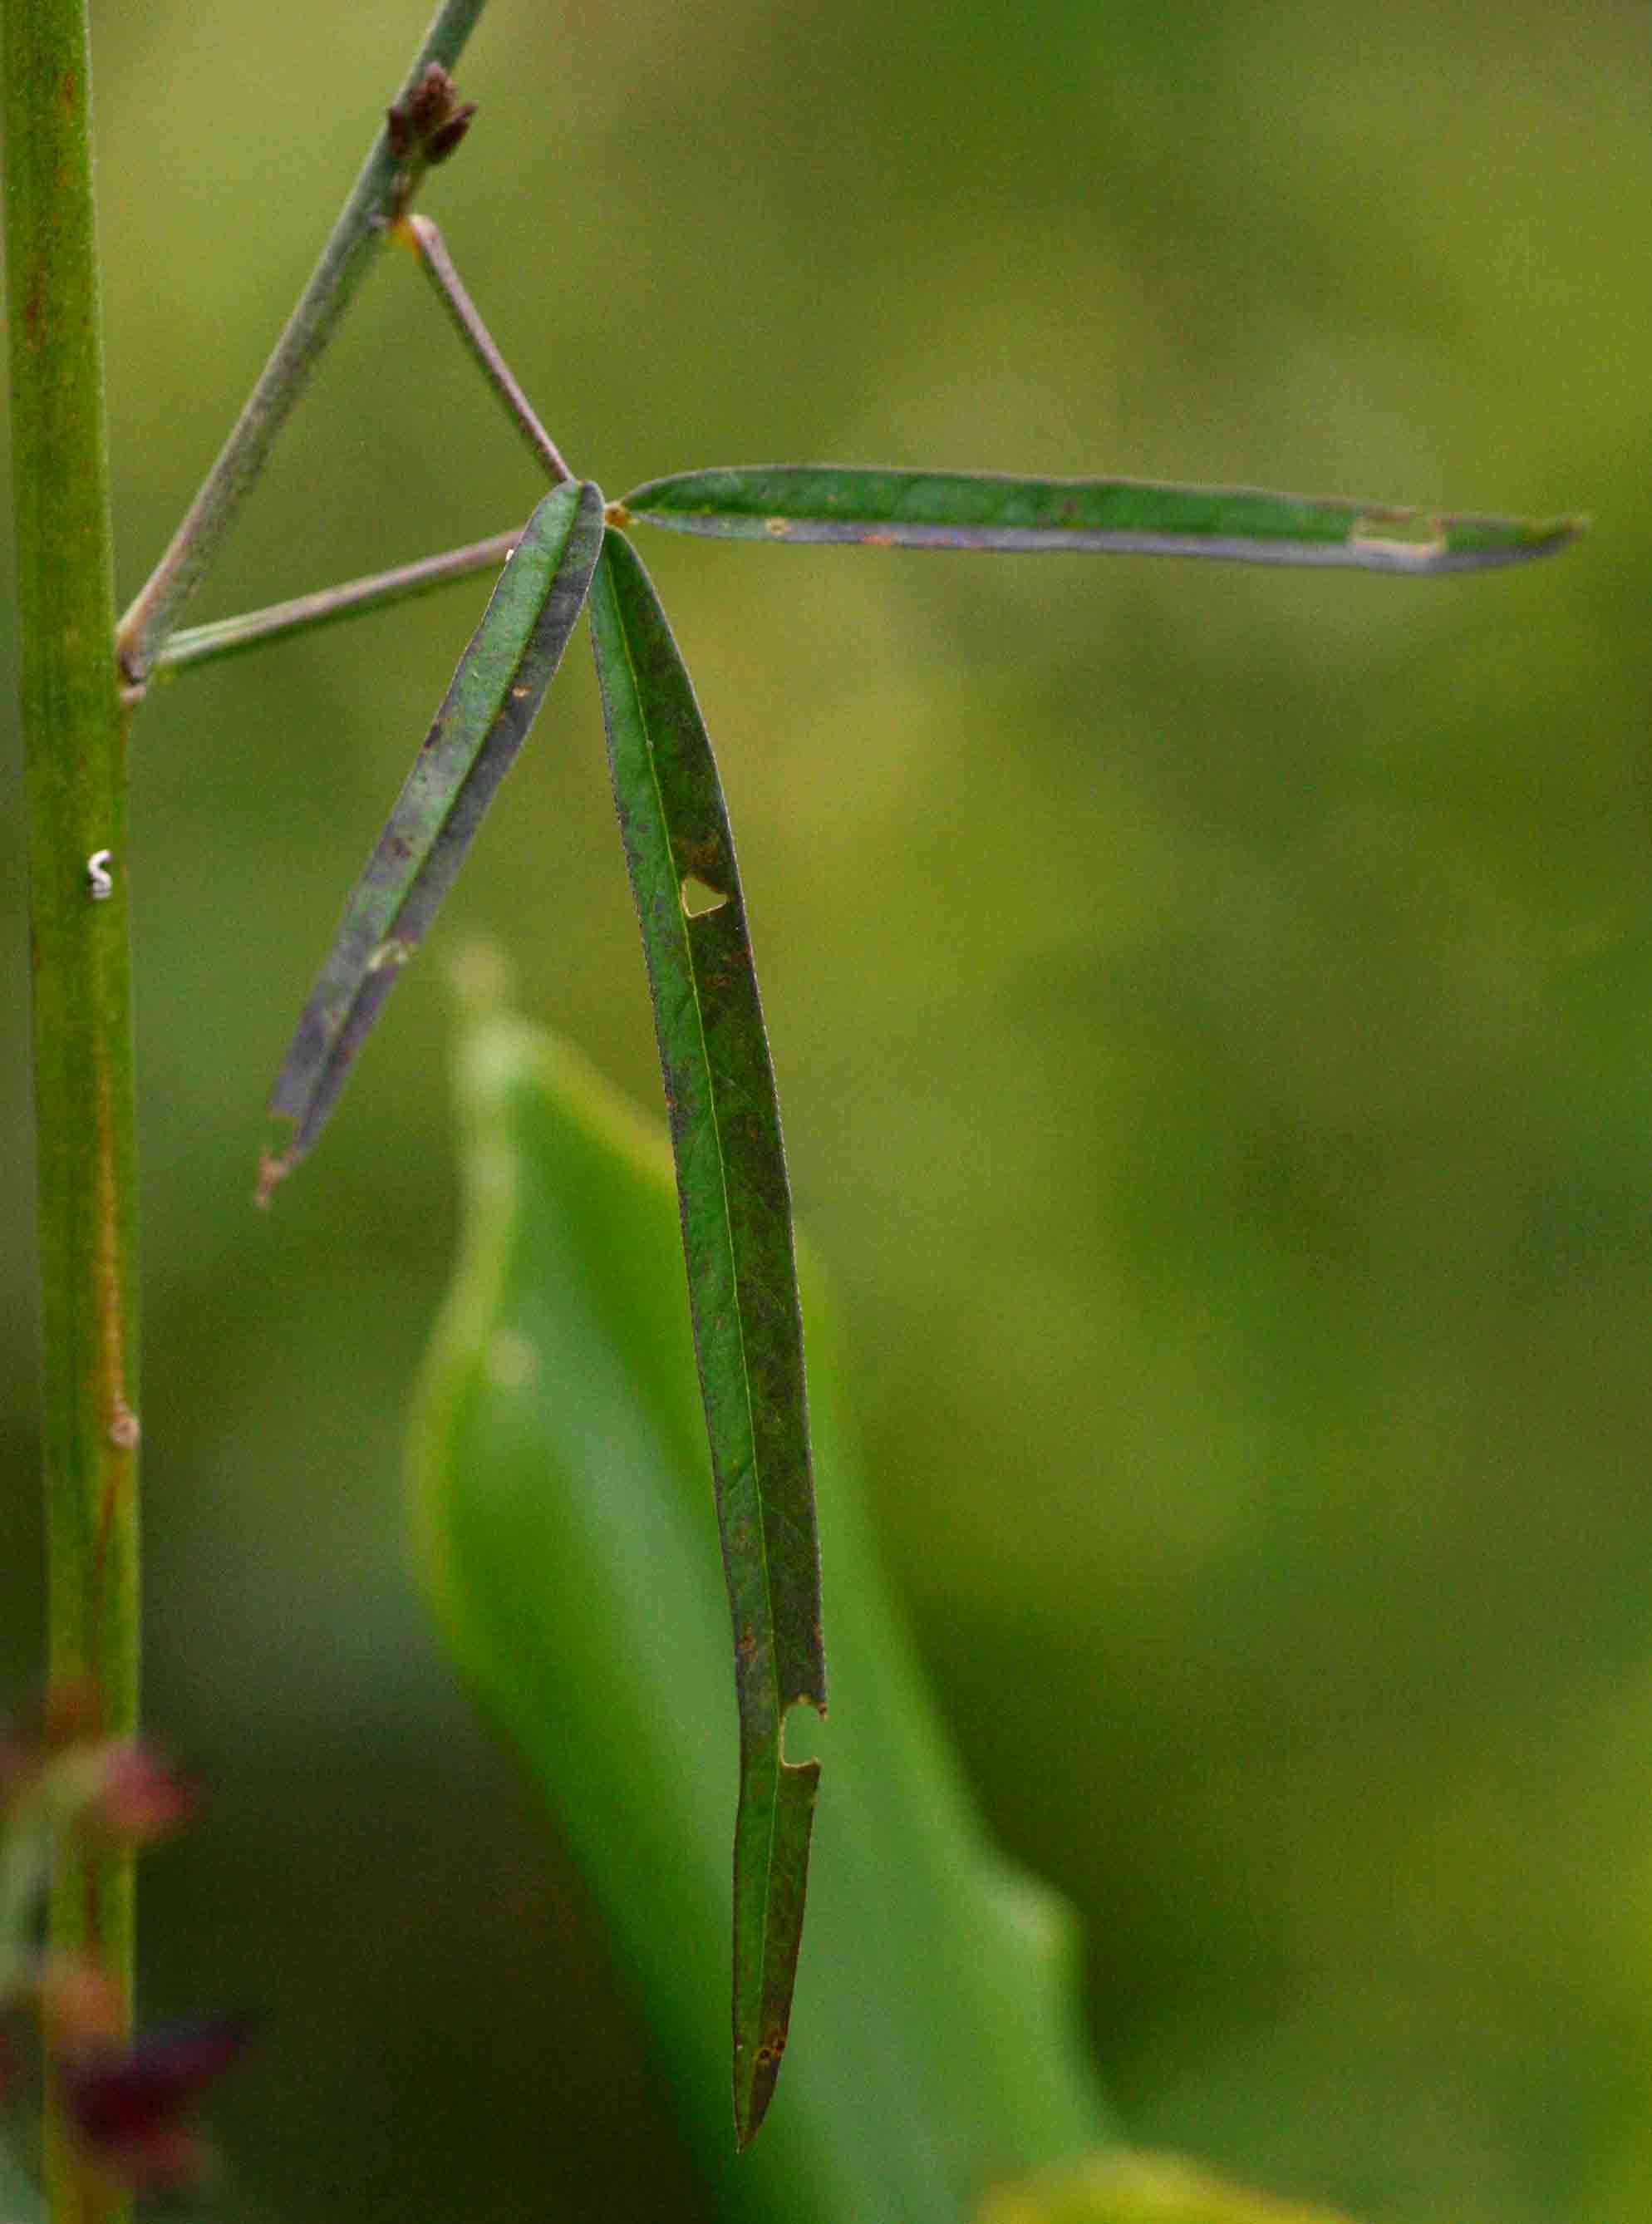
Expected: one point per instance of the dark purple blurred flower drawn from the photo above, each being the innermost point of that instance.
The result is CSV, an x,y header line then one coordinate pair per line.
x,y
126,2103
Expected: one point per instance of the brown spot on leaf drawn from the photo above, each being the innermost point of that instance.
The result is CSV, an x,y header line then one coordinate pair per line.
x,y
701,856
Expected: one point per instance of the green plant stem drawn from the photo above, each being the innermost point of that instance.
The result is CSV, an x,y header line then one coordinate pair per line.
x,y
343,264
252,629
421,237
76,804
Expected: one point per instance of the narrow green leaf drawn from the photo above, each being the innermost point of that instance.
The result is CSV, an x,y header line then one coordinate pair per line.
x,y
737,1216
483,720
1122,517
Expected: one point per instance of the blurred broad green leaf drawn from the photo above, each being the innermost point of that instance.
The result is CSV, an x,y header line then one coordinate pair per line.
x,y
736,1211
1123,2188
1121,517
562,1517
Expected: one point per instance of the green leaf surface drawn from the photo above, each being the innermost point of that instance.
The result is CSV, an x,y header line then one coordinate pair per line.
x,y
21,2199
482,722
1127,2188
736,1218
879,508
563,1510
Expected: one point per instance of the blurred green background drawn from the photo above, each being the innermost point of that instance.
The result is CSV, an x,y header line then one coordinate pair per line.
x,y
1210,1007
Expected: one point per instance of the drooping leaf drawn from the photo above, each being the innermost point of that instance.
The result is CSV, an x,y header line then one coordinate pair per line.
x,y
737,1216
879,509
482,722
562,1512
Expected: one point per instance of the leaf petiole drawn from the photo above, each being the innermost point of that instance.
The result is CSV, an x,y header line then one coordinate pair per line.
x,y
422,239
207,644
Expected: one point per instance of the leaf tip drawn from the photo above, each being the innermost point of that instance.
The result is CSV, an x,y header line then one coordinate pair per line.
x,y
273,1167
282,1150
1557,533
754,2087
1545,536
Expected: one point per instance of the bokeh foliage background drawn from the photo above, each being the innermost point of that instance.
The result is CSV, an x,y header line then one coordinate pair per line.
x,y
1210,1009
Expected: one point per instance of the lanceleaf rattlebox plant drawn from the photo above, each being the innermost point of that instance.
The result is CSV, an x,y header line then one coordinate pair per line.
x,y
536,1122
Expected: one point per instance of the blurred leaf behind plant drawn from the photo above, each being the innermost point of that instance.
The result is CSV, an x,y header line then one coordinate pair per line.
x,y
565,1527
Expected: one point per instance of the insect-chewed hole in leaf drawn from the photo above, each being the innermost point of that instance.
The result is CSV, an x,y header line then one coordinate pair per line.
x,y
801,1734
1406,532
700,897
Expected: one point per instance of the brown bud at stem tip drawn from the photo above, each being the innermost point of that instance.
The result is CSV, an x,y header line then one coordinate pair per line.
x,y
430,121
431,101
425,127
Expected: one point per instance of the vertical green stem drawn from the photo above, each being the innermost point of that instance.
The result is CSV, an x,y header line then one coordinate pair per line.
x,y
76,801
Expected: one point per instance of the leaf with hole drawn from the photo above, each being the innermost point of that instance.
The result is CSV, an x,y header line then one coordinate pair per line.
x,y
736,1217
483,720
878,508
